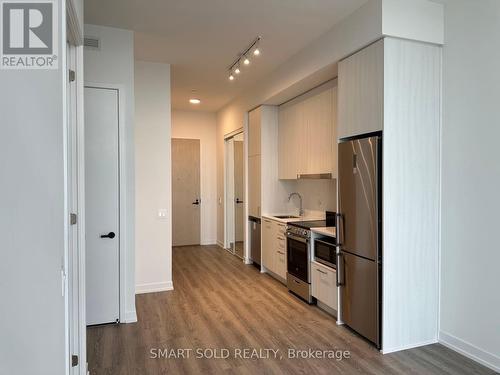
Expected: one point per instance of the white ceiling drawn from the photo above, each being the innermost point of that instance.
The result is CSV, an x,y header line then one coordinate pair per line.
x,y
200,38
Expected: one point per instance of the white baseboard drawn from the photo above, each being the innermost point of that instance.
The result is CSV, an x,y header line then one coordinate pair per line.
x,y
208,242
471,351
154,287
409,346
220,244
248,261
129,317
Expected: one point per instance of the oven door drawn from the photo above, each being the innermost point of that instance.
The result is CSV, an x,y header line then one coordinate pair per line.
x,y
298,257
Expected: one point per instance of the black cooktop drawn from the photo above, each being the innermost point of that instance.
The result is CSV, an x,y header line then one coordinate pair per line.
x,y
309,224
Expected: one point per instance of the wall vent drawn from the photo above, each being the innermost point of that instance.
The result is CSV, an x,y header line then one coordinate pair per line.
x,y
91,42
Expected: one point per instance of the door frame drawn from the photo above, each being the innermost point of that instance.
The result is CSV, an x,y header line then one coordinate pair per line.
x,y
226,232
122,190
75,204
74,164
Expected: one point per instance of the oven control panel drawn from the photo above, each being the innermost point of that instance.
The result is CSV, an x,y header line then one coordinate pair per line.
x,y
296,231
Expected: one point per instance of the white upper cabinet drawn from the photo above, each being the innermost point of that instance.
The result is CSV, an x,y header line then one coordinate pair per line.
x,y
361,92
290,142
307,140
254,162
254,132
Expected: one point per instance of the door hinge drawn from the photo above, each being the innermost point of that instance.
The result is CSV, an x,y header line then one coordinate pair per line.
x,y
72,75
74,360
73,219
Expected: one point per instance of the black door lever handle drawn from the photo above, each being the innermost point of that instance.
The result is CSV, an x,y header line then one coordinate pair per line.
x,y
196,202
109,235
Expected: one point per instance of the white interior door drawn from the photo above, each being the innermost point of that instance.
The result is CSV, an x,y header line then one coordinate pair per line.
x,y
102,205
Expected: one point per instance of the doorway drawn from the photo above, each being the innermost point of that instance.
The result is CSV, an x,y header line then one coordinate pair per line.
x,y
102,208
235,192
186,199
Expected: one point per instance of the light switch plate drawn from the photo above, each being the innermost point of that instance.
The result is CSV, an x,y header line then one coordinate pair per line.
x,y
162,214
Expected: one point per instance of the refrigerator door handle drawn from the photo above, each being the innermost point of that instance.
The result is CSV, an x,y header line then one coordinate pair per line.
x,y
340,269
340,227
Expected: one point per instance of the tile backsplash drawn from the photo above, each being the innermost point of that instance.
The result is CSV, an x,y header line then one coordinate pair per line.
x,y
318,196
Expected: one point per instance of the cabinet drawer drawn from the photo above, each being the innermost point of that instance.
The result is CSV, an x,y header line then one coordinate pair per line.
x,y
281,263
281,229
324,286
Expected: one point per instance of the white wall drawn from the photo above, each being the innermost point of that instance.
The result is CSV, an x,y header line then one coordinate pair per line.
x,y
153,177
202,126
114,64
32,218
404,19
318,196
470,255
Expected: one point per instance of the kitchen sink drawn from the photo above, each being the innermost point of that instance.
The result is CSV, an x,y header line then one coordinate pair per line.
x,y
287,217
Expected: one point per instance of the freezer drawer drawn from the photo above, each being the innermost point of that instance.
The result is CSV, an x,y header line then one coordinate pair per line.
x,y
358,278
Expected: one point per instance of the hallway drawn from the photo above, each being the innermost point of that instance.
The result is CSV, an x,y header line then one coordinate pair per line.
x,y
218,303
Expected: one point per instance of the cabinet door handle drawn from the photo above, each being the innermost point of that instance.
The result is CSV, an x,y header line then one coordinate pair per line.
x,y
323,272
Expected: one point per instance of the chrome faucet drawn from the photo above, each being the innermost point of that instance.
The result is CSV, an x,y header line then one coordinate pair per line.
x,y
301,210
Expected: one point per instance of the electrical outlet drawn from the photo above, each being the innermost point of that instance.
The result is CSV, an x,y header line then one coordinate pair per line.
x,y
162,214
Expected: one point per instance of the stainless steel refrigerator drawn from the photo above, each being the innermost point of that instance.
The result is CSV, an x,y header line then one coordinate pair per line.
x,y
359,222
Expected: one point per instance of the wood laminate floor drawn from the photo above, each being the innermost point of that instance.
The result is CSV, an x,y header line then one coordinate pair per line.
x,y
220,303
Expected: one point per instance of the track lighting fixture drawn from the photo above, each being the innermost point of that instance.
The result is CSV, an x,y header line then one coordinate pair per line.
x,y
234,68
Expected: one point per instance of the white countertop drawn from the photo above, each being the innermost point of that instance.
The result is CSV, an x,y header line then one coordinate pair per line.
x,y
291,220
327,231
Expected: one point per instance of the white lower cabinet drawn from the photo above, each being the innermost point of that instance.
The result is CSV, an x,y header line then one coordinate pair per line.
x,y
267,243
274,247
324,287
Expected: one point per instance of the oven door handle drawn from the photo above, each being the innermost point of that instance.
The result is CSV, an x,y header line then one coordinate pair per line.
x,y
295,238
329,244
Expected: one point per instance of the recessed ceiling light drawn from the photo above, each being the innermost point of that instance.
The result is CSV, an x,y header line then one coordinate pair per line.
x,y
231,77
246,61
237,70
256,52
194,101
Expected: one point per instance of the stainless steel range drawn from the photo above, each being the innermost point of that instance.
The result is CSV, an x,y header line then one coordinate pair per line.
x,y
298,277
